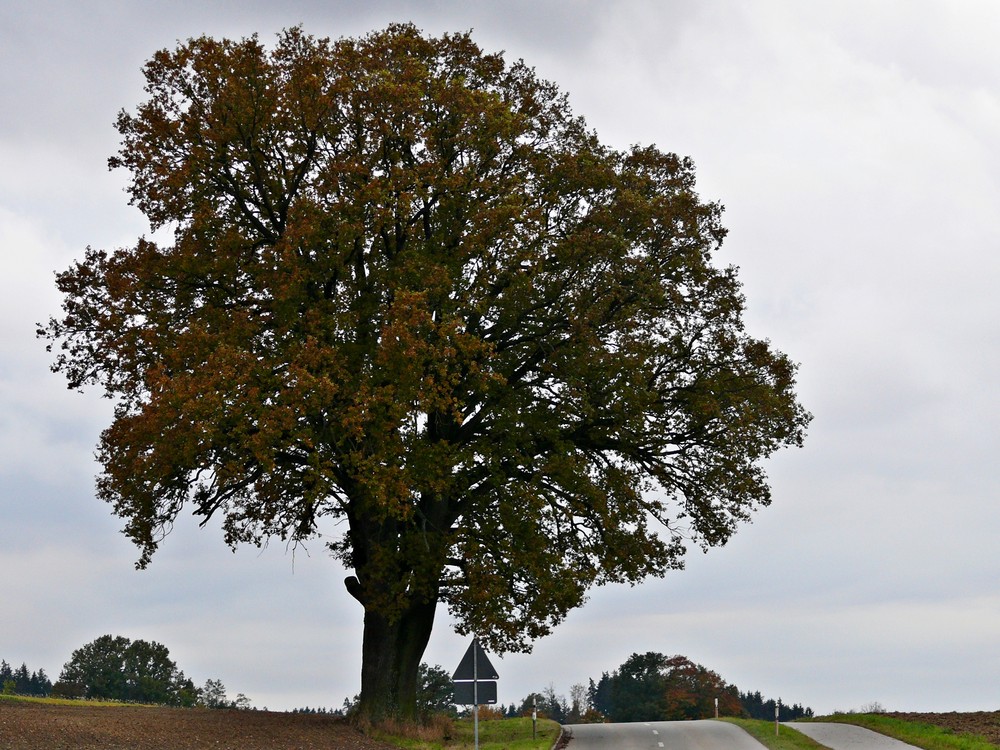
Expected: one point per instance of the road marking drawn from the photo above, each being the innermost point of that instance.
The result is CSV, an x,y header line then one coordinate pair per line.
x,y
655,732
659,744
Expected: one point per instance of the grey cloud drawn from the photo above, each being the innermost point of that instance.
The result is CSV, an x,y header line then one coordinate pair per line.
x,y
856,150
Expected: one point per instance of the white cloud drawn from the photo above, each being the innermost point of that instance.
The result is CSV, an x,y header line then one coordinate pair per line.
x,y
45,431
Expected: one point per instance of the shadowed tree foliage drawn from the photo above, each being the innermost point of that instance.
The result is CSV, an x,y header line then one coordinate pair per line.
x,y
434,691
410,291
638,689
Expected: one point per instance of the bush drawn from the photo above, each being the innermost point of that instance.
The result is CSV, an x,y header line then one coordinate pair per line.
x,y
69,690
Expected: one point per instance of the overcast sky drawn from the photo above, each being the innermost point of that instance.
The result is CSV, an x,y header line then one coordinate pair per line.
x,y
856,147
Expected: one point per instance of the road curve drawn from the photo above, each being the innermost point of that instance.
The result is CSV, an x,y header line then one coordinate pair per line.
x,y
652,735
847,736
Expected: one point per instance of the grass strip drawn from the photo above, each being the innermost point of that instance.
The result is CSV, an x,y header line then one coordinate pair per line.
x,y
68,701
494,734
786,738
926,736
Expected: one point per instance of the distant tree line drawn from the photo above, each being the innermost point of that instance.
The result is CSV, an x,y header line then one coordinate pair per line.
x,y
646,687
20,681
213,695
319,710
755,706
654,687
549,706
118,669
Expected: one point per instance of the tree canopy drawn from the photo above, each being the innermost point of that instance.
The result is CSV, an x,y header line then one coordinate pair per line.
x,y
117,668
409,290
655,687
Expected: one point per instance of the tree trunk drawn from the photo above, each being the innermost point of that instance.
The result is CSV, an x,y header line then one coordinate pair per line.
x,y
390,661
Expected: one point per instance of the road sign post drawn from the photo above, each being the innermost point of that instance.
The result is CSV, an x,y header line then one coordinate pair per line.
x,y
475,679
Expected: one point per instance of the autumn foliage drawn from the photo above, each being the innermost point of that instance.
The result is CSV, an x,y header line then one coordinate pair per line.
x,y
655,687
409,291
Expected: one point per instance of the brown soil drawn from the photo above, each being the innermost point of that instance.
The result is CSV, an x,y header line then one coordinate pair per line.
x,y
982,723
36,726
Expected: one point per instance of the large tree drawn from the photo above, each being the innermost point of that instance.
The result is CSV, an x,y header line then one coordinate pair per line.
x,y
408,289
117,668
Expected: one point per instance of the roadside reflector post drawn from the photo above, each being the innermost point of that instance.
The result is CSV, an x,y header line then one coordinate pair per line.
x,y
534,716
716,708
475,690
777,712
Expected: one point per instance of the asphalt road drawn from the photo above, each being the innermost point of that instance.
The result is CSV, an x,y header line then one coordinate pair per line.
x,y
847,736
652,735
717,735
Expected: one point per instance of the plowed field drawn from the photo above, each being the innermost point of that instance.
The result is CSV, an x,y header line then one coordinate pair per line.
x,y
37,726
983,723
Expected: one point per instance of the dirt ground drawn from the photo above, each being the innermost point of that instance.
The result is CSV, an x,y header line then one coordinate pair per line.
x,y
983,723
33,726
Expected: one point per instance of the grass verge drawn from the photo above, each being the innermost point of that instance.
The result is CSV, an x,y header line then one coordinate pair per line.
x,y
65,701
494,734
786,738
926,736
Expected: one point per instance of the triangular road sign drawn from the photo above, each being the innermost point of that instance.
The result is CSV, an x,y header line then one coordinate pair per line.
x,y
475,665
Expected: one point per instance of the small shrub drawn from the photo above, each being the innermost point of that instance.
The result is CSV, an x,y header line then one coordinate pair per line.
x,y
68,690
490,713
436,728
